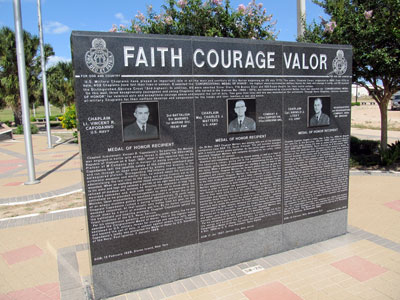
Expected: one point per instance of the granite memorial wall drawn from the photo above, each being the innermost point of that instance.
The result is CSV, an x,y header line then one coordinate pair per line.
x,y
199,153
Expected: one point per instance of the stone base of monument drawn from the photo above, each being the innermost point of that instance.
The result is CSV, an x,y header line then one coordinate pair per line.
x,y
162,267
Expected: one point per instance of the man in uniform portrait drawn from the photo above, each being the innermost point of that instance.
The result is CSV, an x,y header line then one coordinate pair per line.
x,y
242,123
319,119
140,129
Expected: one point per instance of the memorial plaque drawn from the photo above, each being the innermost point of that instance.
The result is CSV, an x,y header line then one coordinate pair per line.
x,y
191,144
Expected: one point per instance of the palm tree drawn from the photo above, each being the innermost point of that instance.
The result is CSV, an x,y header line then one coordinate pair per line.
x,y
60,82
9,84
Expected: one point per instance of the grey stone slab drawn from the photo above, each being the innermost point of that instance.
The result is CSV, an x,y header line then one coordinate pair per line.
x,y
294,255
69,283
288,256
374,238
385,242
56,216
315,229
271,260
312,250
12,223
243,266
217,254
156,293
3,224
178,287
132,296
82,247
396,248
43,195
188,284
167,290
280,259
348,238
263,263
145,295
317,247
68,270
33,219
144,271
336,242
392,245
300,254
121,297
329,244
252,263
227,273
237,271
218,276
362,234
67,250
88,280
208,279
73,294
198,281
49,217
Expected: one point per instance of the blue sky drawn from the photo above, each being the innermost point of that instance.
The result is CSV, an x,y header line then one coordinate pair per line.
x,y
60,17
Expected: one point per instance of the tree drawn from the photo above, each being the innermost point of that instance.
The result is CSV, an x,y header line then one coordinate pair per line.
x,y
372,27
211,18
60,83
9,84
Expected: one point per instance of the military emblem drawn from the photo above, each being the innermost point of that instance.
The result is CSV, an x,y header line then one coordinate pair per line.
x,y
98,59
339,63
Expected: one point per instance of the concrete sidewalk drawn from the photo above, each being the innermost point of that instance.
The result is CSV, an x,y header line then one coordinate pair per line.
x,y
58,170
47,257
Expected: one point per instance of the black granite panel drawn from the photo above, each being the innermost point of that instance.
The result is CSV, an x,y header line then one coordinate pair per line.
x,y
192,140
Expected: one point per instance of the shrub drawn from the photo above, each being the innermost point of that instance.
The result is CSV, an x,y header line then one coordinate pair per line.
x,y
364,152
55,118
363,147
20,129
68,120
367,153
391,155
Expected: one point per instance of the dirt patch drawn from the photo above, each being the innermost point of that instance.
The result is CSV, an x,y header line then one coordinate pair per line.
x,y
43,207
368,116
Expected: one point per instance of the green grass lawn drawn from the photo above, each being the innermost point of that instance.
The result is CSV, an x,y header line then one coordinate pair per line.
x,y
7,114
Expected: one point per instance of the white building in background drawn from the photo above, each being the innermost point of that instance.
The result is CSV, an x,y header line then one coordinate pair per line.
x,y
358,90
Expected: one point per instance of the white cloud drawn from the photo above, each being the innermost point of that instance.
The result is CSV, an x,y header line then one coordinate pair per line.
x,y
122,19
53,60
55,27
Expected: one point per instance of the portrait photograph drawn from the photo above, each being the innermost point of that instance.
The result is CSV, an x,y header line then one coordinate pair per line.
x,y
319,111
140,121
241,115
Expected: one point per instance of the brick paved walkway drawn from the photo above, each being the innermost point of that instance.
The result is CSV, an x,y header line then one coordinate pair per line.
x,y
46,257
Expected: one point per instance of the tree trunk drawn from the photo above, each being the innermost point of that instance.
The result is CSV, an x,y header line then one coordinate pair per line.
x,y
18,116
384,124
